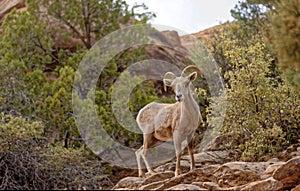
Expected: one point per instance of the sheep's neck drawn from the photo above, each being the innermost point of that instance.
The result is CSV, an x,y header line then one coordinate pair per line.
x,y
189,107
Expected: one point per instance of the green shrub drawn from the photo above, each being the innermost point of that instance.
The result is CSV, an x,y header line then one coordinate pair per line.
x,y
15,129
28,163
263,143
263,112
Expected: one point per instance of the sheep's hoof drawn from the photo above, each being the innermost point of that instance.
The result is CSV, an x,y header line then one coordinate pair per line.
x,y
192,168
150,173
177,172
142,175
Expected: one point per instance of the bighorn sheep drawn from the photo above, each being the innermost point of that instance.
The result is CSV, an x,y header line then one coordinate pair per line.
x,y
177,121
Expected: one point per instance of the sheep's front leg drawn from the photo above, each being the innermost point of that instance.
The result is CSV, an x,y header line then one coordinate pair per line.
x,y
177,144
190,141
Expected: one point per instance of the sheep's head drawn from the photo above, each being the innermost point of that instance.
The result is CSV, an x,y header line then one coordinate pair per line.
x,y
181,84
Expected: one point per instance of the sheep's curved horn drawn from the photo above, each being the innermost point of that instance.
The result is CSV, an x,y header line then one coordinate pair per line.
x,y
170,76
191,67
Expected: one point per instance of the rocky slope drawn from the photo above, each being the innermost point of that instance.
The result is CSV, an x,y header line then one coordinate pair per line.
x,y
219,170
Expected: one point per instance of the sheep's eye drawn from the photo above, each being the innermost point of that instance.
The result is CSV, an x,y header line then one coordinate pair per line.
x,y
186,84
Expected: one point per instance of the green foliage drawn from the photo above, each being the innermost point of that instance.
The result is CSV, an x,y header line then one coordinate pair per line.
x,y
243,36
34,95
250,10
14,129
27,163
87,20
56,107
24,47
284,37
259,108
24,40
28,48
278,20
123,104
36,82
142,94
72,169
251,14
264,142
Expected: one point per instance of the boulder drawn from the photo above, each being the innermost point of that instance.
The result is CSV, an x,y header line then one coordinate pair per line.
x,y
214,157
272,167
232,176
198,175
289,173
158,177
185,187
128,182
152,185
239,173
297,188
211,186
291,152
262,185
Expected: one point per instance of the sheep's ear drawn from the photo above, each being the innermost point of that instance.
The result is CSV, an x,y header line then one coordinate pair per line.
x,y
192,76
168,79
167,82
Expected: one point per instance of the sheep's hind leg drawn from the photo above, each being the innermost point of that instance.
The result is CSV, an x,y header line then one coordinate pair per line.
x,y
138,159
149,142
